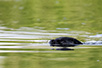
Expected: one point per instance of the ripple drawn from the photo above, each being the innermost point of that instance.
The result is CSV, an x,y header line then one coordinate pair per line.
x,y
6,43
63,28
11,46
11,40
13,51
97,36
37,39
58,59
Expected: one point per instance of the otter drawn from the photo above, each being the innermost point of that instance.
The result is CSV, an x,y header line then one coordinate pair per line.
x,y
64,42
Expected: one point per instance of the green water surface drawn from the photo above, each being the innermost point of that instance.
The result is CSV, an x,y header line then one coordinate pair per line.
x,y
30,24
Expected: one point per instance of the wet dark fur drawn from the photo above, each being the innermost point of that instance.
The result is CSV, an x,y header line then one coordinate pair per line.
x,y
64,42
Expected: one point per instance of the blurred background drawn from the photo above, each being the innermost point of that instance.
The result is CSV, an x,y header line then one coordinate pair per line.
x,y
80,15
26,26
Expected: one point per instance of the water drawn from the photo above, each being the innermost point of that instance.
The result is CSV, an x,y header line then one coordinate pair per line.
x,y
31,48
29,38
26,26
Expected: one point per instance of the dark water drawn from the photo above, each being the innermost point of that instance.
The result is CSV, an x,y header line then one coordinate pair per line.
x,y
26,26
